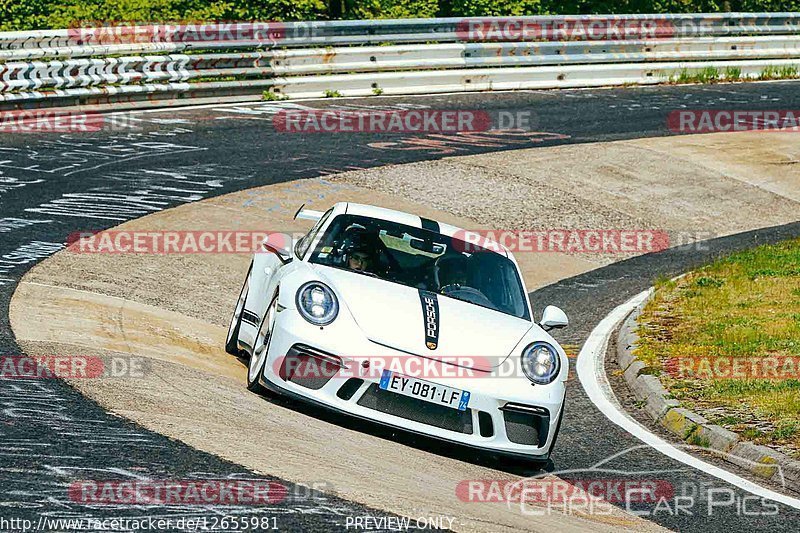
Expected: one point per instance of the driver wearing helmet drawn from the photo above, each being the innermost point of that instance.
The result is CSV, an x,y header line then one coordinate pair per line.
x,y
356,250
450,272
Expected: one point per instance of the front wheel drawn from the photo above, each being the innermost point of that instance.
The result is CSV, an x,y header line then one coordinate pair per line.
x,y
258,359
232,340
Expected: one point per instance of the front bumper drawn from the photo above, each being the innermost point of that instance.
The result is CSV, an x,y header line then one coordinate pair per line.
x,y
506,415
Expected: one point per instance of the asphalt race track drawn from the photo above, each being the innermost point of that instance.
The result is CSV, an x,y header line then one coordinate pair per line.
x,y
55,184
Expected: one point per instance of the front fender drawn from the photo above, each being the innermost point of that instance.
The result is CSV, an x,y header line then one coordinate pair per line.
x,y
293,276
263,279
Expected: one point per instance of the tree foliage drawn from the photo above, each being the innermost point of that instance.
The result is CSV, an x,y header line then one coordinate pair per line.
x,y
40,14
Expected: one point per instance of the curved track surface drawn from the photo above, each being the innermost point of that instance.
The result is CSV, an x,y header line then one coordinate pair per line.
x,y
53,185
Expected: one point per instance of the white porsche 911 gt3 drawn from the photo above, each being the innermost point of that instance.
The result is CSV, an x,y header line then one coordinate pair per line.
x,y
407,322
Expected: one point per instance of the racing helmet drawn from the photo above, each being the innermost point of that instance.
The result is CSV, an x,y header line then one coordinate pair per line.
x,y
356,240
450,270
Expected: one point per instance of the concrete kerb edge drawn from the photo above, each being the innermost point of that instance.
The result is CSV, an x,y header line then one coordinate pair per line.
x,y
690,427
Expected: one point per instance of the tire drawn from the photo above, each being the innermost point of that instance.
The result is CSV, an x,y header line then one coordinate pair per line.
x,y
232,340
255,367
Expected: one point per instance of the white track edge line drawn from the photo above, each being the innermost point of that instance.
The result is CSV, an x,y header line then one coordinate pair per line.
x,y
590,368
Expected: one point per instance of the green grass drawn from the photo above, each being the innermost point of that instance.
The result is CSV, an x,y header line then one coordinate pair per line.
x,y
743,305
787,430
784,72
698,441
733,73
726,420
714,75
704,75
273,96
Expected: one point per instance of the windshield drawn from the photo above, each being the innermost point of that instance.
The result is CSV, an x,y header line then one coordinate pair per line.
x,y
422,259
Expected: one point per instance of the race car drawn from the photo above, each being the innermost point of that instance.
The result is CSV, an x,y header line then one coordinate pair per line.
x,y
406,322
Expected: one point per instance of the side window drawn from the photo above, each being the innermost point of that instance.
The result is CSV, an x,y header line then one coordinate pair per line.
x,y
303,244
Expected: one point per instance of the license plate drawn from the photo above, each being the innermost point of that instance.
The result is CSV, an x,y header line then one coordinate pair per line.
x,y
424,390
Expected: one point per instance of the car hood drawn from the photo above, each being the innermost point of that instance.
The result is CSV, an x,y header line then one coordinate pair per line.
x,y
397,316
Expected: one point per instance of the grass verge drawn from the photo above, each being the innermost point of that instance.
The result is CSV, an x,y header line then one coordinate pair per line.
x,y
742,311
733,74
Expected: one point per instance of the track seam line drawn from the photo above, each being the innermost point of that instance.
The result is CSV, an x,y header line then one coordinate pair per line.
x,y
84,291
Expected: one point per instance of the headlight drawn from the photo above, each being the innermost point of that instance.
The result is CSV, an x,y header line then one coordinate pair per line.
x,y
317,303
540,363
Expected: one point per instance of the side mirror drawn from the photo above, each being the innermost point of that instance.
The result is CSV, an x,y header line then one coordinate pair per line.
x,y
553,318
279,244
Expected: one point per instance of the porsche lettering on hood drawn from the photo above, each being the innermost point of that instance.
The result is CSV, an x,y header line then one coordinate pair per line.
x,y
430,315
397,316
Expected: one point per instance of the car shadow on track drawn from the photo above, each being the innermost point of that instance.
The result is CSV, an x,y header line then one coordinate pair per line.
x,y
407,438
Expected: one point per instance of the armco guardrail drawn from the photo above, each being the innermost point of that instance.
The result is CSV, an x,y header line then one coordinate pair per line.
x,y
164,63
335,33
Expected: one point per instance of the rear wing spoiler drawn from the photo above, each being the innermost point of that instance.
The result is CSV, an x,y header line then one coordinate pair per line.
x,y
308,214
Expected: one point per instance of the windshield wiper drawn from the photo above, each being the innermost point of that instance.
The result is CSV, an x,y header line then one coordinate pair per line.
x,y
459,299
493,307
